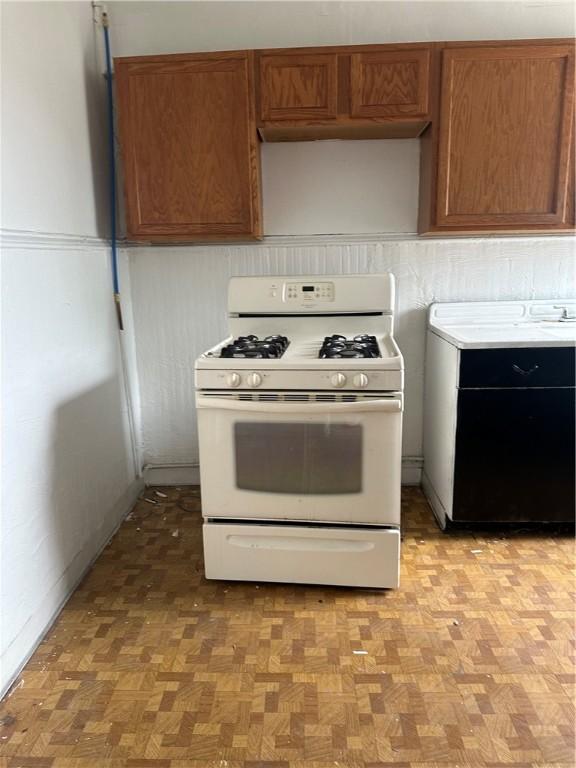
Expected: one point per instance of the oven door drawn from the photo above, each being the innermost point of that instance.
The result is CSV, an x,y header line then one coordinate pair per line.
x,y
311,461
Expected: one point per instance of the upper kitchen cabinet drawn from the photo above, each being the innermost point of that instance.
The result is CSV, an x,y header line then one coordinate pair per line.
x,y
302,87
189,146
390,83
351,92
498,156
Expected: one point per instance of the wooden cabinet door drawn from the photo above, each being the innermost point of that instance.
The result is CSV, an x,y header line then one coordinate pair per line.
x,y
298,86
504,137
391,83
189,146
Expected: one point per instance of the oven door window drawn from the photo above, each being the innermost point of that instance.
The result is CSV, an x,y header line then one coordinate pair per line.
x,y
298,458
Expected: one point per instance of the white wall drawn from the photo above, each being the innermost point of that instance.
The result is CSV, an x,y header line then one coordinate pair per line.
x,y
68,469
332,187
179,300
142,28
53,119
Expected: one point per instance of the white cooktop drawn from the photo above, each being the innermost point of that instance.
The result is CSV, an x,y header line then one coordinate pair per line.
x,y
477,325
302,353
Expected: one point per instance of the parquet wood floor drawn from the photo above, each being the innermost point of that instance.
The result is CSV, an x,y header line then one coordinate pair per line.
x,y
469,663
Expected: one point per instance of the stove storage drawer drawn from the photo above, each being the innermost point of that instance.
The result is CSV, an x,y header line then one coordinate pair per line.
x,y
352,557
519,367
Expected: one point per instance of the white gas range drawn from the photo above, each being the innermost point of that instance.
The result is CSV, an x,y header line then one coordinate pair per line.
x,y
300,426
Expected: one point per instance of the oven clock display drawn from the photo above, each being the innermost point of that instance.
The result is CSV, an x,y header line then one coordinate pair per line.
x,y
304,292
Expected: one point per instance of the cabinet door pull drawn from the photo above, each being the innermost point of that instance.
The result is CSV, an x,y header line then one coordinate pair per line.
x,y
522,372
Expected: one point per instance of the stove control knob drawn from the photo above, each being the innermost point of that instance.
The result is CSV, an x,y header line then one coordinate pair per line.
x,y
361,380
233,379
338,380
254,380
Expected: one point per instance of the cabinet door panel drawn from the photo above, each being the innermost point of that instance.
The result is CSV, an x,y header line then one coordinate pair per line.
x,y
189,146
515,455
298,86
570,217
389,83
505,126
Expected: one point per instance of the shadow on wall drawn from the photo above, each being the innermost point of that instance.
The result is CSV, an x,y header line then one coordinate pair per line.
x,y
91,471
59,508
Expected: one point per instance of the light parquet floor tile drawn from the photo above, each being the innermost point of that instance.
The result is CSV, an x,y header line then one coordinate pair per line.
x,y
469,663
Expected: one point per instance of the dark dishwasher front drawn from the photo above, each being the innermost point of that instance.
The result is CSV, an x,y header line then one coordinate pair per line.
x,y
515,436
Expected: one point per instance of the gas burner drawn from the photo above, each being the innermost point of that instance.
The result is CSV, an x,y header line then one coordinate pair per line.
x,y
252,347
337,346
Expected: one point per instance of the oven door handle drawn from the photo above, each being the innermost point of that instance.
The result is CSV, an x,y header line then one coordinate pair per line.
x,y
382,405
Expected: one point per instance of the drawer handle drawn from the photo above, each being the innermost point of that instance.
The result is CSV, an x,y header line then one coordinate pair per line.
x,y
299,543
522,372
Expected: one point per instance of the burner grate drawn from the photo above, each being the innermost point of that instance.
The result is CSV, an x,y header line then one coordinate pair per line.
x,y
337,347
251,347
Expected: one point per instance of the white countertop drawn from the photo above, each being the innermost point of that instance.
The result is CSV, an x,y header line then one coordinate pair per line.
x,y
481,325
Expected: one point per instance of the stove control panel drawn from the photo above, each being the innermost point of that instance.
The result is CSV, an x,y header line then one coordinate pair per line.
x,y
308,293
311,380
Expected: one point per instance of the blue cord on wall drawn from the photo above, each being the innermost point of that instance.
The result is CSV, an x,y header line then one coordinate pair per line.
x,y
112,170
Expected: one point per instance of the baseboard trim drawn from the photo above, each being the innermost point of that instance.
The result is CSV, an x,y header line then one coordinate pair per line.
x,y
189,474
434,502
172,474
412,470
118,513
